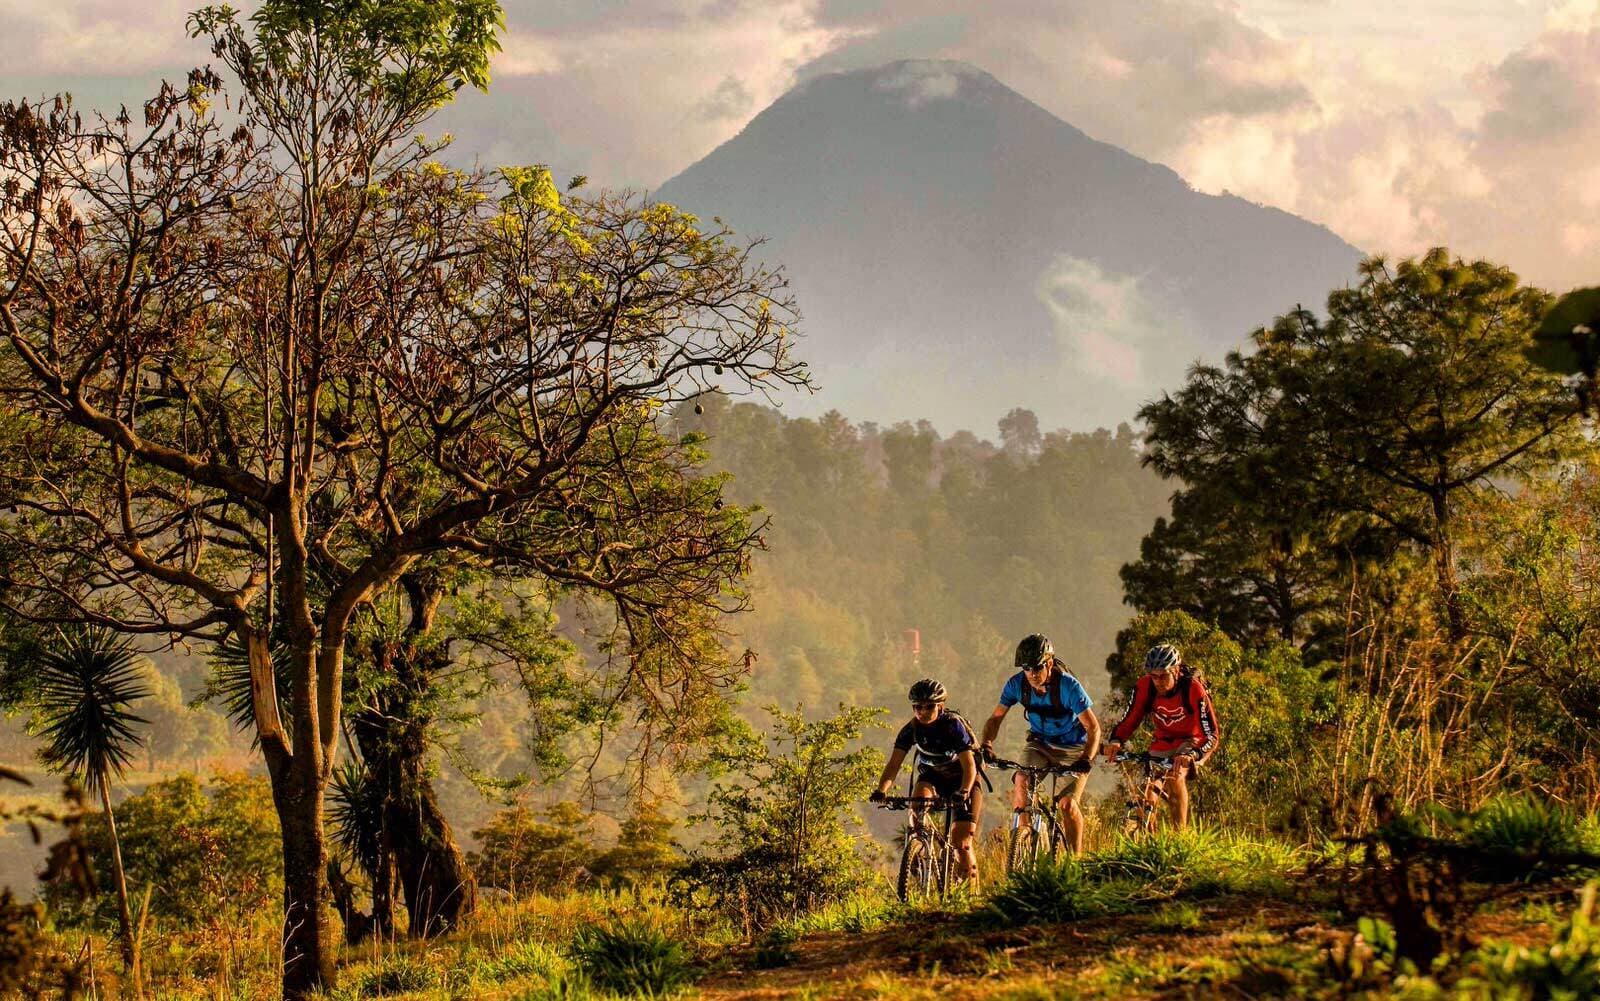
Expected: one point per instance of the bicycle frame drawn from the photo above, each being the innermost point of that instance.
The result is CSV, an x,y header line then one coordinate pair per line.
x,y
1147,793
927,854
1038,824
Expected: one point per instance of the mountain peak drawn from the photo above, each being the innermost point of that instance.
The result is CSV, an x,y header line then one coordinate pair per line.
x,y
959,251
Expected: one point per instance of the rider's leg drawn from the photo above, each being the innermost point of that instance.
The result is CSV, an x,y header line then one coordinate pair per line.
x,y
1071,823
1019,792
1178,797
922,790
961,833
1072,813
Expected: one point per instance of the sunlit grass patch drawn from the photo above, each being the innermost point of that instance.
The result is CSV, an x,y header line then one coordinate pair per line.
x,y
631,957
1176,917
522,960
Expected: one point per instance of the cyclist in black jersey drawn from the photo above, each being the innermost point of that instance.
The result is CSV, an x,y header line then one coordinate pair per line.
x,y
946,765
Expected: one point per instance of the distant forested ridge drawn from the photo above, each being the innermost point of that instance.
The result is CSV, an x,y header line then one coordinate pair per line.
x,y
876,531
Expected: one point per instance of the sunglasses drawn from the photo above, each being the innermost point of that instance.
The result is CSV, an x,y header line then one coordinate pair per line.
x,y
923,706
1036,669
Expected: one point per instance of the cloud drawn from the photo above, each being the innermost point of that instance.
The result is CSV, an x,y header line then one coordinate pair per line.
x,y
1103,322
920,81
1399,126
729,100
96,37
1506,173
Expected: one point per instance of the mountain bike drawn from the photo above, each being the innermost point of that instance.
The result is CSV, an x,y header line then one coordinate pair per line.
x,y
1037,826
929,856
1145,788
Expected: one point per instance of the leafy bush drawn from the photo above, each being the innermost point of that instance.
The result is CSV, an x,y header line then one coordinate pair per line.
x,y
631,957
645,851
522,854
210,854
786,844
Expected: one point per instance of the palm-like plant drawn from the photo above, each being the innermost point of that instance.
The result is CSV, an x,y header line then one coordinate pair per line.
x,y
86,685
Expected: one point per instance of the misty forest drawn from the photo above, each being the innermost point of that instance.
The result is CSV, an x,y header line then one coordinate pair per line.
x,y
429,577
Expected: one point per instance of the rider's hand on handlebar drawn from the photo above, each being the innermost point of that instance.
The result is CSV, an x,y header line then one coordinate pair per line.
x,y
986,751
1112,748
1081,766
877,796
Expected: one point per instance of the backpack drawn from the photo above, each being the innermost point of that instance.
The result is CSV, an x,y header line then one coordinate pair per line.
x,y
977,758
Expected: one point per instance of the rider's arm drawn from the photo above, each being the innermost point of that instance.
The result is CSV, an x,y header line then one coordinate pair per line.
x,y
1210,732
991,726
890,770
1143,694
969,771
1091,731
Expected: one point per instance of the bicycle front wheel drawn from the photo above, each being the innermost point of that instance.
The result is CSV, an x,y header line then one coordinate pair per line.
x,y
916,877
1023,849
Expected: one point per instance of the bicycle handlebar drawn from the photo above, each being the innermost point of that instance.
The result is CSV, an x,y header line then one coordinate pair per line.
x,y
913,802
1142,758
1076,768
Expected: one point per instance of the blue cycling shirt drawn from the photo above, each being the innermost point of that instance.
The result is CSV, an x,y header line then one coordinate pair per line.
x,y
1053,713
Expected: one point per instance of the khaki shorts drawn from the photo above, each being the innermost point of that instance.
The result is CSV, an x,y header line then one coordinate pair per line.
x,y
1036,753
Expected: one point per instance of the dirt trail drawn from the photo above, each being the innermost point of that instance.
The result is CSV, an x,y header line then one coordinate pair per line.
x,y
945,957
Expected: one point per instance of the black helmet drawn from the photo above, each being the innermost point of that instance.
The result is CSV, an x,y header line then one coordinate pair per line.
x,y
927,690
1035,650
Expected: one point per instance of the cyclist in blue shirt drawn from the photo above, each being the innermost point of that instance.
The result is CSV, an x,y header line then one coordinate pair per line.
x,y
946,766
1062,728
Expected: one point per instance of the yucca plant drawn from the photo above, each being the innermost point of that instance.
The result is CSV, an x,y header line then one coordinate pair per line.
x,y
86,683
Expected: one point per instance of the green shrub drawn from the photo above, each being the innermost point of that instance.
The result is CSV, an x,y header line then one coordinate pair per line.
x,y
520,853
787,841
645,852
1523,837
631,957
401,975
211,855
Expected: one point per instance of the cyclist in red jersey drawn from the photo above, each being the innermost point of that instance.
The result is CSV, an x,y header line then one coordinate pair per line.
x,y
1186,729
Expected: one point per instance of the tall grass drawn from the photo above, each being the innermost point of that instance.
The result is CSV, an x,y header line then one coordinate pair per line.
x,y
1136,873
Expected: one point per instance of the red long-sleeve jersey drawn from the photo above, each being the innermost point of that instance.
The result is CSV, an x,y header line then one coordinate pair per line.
x,y
1184,714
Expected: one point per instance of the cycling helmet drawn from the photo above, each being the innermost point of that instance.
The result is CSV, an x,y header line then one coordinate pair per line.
x,y
1034,650
1161,657
927,690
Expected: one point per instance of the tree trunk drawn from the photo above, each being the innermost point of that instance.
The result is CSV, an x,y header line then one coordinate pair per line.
x,y
438,885
1444,567
130,947
309,945
383,895
421,851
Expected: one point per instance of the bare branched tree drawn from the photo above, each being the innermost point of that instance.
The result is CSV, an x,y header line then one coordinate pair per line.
x,y
259,372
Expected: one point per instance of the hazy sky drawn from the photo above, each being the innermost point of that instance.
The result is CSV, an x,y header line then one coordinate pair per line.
x,y
1398,123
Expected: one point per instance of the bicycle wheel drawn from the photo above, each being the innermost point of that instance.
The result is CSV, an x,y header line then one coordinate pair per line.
x,y
1057,843
1023,849
916,870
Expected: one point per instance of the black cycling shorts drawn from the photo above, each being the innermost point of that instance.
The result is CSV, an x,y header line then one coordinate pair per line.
x,y
946,781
